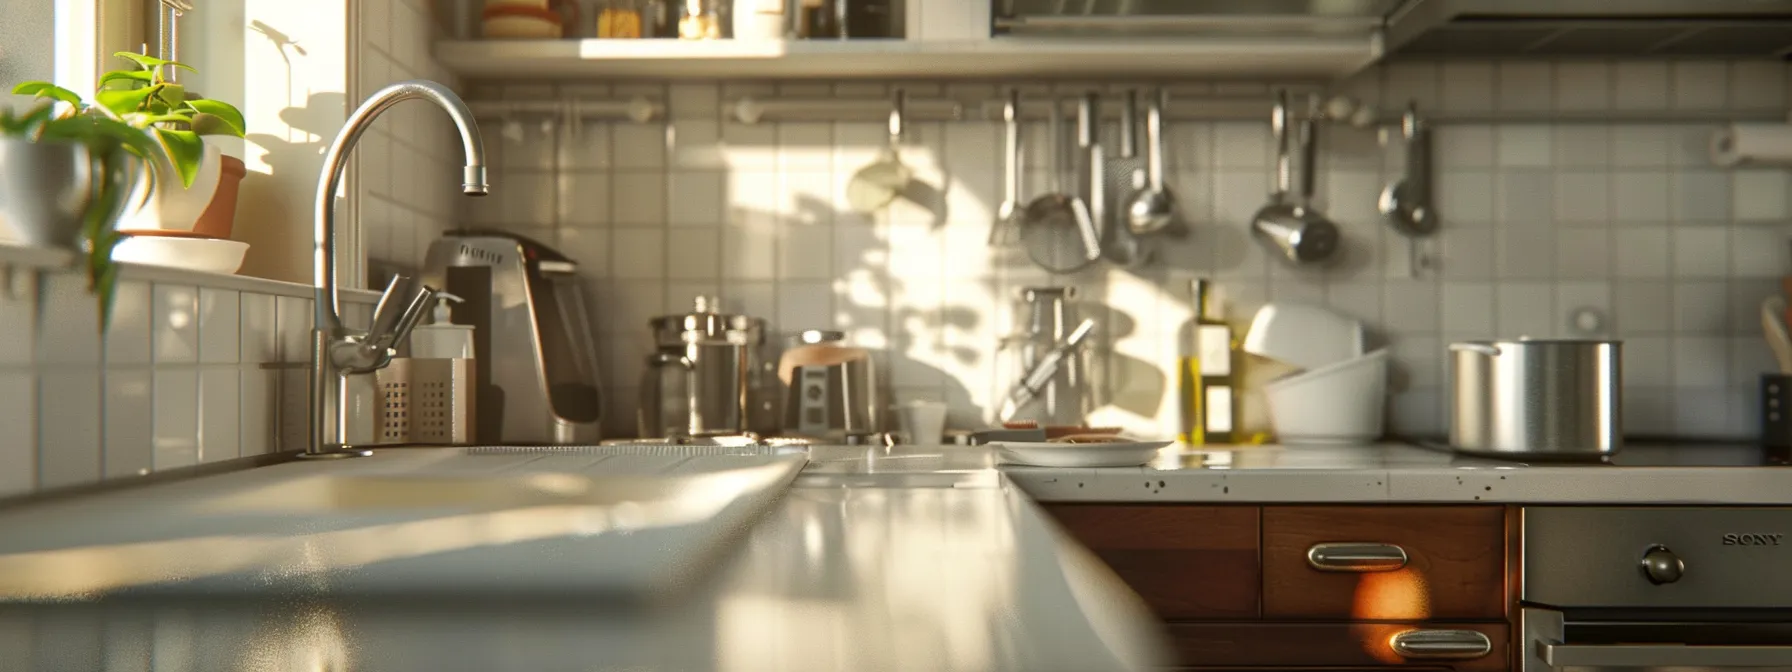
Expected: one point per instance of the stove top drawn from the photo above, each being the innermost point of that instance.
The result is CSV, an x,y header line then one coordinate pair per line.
x,y
1655,454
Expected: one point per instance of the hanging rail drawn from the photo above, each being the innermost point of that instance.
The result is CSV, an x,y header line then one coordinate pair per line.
x,y
1189,107
639,109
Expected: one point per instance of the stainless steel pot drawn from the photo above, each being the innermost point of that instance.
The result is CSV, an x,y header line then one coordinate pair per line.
x,y
1539,399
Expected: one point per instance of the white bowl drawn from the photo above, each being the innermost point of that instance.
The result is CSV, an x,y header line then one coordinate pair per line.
x,y
1305,336
1343,402
212,255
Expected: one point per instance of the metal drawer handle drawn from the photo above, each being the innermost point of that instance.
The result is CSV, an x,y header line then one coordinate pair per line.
x,y
1441,644
1356,557
1663,655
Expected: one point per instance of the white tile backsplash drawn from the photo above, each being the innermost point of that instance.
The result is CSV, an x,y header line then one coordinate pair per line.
x,y
1701,252
175,437
1643,307
174,324
220,414
220,326
130,422
75,418
1540,218
1640,85
128,340
1760,194
69,334
68,438
1701,307
18,413
1639,197
1583,86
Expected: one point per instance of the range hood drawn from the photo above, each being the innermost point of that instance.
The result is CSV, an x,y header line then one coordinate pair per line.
x,y
1727,28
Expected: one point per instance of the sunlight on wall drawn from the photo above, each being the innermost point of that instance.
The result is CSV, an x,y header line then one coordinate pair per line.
x,y
285,65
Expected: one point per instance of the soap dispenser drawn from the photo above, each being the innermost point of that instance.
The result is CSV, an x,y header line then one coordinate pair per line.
x,y
428,397
441,338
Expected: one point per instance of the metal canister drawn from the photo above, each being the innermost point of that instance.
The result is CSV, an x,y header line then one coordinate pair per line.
x,y
698,379
1537,399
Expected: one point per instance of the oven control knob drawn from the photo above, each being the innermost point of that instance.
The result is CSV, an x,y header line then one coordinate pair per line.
x,y
1660,565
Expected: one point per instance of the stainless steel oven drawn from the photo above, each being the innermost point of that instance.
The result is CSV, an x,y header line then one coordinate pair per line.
x,y
1677,589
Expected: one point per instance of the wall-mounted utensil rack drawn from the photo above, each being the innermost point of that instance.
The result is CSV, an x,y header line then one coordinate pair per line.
x,y
760,109
1034,107
638,109
756,109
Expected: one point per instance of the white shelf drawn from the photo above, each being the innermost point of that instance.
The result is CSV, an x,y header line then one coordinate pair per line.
x,y
1312,57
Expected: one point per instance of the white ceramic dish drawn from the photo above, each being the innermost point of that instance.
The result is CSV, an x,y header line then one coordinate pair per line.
x,y
1305,336
1340,403
1044,454
212,255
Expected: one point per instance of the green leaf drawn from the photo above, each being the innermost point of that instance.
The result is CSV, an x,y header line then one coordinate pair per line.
x,y
151,63
48,90
172,95
226,112
185,151
142,120
27,125
133,77
123,102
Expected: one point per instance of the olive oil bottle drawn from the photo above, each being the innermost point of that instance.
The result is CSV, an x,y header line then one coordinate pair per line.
x,y
1204,378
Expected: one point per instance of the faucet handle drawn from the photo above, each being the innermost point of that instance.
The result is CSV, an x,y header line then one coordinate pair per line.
x,y
402,305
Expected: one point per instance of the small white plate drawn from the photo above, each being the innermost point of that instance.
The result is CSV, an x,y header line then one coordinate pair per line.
x,y
1078,454
212,255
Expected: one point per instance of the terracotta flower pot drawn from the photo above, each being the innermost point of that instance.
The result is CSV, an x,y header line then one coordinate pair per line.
x,y
215,222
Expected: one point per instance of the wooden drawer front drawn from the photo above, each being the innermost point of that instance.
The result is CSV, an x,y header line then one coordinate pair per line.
x,y
1187,562
1356,645
1455,566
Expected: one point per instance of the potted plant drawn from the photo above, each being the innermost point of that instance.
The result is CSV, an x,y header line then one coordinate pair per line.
x,y
66,174
138,123
143,97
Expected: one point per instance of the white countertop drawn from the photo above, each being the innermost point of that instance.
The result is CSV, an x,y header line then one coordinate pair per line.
x,y
950,570
916,557
1395,472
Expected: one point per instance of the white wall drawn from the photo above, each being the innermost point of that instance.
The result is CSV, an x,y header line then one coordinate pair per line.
x,y
1539,220
409,162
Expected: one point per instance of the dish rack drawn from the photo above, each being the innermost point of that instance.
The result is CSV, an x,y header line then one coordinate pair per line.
x,y
427,401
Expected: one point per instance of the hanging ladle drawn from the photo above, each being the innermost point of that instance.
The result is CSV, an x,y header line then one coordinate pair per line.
x,y
1154,208
1407,202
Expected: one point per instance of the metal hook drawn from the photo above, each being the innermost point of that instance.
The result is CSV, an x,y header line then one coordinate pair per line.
x,y
897,105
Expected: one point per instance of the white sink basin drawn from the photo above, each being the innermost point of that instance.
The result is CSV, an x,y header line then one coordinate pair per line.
x,y
461,524
327,495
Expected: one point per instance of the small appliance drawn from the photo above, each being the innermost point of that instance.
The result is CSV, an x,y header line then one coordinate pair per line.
x,y
535,358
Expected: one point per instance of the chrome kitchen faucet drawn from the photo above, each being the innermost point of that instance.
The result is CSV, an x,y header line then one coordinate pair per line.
x,y
337,351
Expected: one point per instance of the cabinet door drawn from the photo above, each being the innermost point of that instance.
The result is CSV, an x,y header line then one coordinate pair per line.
x,y
1187,562
1324,562
1353,646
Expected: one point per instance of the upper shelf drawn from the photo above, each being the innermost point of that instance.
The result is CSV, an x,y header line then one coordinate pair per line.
x,y
1002,57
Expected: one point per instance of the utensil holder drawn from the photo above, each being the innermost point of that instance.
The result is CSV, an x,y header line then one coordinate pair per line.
x,y
426,401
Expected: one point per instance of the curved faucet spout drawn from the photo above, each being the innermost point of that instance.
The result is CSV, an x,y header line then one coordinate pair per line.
x,y
335,350
328,310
